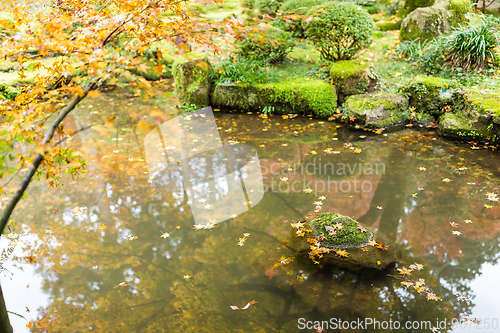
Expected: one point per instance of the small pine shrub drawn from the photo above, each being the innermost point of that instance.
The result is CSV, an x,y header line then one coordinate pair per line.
x,y
301,7
339,29
271,45
269,7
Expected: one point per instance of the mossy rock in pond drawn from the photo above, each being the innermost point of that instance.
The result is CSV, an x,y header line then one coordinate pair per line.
x,y
340,231
362,254
377,110
433,95
191,75
440,18
152,72
351,77
477,119
299,96
458,126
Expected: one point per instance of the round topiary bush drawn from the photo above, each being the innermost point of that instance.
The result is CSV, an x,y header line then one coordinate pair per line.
x,y
269,7
270,45
339,29
301,7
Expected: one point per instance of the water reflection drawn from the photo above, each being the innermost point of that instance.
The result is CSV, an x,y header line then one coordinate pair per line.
x,y
133,263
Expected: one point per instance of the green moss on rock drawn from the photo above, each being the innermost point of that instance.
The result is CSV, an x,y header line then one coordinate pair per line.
x,y
432,94
360,253
410,5
151,73
456,126
377,110
351,77
294,96
191,75
388,26
340,231
429,22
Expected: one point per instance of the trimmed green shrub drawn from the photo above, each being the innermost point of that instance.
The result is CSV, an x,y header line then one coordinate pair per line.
x,y
271,45
269,7
339,29
301,7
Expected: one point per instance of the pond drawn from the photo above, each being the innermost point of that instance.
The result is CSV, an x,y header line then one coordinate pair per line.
x,y
112,253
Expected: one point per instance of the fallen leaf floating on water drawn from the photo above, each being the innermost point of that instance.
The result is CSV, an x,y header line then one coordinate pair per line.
x,y
297,225
131,237
242,240
363,229
342,253
77,211
234,307
404,271
492,196
416,266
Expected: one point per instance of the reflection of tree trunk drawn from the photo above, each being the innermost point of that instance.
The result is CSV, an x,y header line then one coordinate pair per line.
x,y
390,194
4,316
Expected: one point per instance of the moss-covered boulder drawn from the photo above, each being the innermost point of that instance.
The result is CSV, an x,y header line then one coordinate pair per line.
x,y
477,119
351,77
305,96
192,82
429,22
388,25
377,110
433,95
338,240
156,67
410,5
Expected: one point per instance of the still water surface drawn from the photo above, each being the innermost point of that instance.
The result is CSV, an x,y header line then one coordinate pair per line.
x,y
100,263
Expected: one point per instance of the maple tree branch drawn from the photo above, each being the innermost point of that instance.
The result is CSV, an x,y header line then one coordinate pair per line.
x,y
5,326
39,157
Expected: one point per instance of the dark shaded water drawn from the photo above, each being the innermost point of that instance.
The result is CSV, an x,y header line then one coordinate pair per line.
x,y
106,267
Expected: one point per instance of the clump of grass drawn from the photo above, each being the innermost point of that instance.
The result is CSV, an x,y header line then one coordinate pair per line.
x,y
346,231
237,70
465,49
472,48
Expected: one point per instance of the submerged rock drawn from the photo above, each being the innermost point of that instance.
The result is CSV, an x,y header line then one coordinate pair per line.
x,y
304,96
433,95
428,22
343,242
192,82
351,77
377,110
